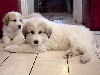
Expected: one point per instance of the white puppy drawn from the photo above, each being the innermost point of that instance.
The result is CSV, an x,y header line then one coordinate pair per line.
x,y
12,29
42,35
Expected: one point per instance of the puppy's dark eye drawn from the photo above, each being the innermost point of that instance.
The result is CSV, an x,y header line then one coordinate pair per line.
x,y
40,32
14,20
32,32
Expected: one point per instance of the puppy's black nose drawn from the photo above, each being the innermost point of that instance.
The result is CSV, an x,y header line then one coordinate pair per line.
x,y
19,26
36,41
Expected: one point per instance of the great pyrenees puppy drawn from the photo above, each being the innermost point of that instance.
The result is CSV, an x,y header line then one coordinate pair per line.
x,y
43,35
12,29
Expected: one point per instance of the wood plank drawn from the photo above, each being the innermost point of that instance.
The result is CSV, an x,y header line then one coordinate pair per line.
x,y
90,68
50,63
18,64
3,56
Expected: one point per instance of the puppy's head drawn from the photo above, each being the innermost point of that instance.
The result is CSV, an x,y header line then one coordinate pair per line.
x,y
36,33
13,20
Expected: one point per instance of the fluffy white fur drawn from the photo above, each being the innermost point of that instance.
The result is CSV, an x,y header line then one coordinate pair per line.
x,y
12,29
53,36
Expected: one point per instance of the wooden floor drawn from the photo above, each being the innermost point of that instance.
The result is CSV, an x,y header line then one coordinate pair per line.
x,y
49,63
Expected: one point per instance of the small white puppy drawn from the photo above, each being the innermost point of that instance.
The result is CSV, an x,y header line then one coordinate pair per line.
x,y
42,35
12,29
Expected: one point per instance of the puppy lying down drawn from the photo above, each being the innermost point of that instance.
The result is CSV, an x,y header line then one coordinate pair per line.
x,y
43,35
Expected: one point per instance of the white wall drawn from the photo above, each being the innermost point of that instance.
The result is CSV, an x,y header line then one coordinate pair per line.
x,y
24,8
30,4
77,11
27,7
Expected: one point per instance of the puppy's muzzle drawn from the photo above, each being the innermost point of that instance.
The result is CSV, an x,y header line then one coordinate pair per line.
x,y
36,41
19,26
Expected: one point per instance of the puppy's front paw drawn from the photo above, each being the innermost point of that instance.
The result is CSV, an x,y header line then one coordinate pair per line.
x,y
84,59
9,49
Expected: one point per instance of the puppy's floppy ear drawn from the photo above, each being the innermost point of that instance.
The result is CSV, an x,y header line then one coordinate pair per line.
x,y
48,30
25,31
6,19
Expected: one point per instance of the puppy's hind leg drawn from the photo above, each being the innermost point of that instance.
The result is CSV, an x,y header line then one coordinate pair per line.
x,y
87,53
